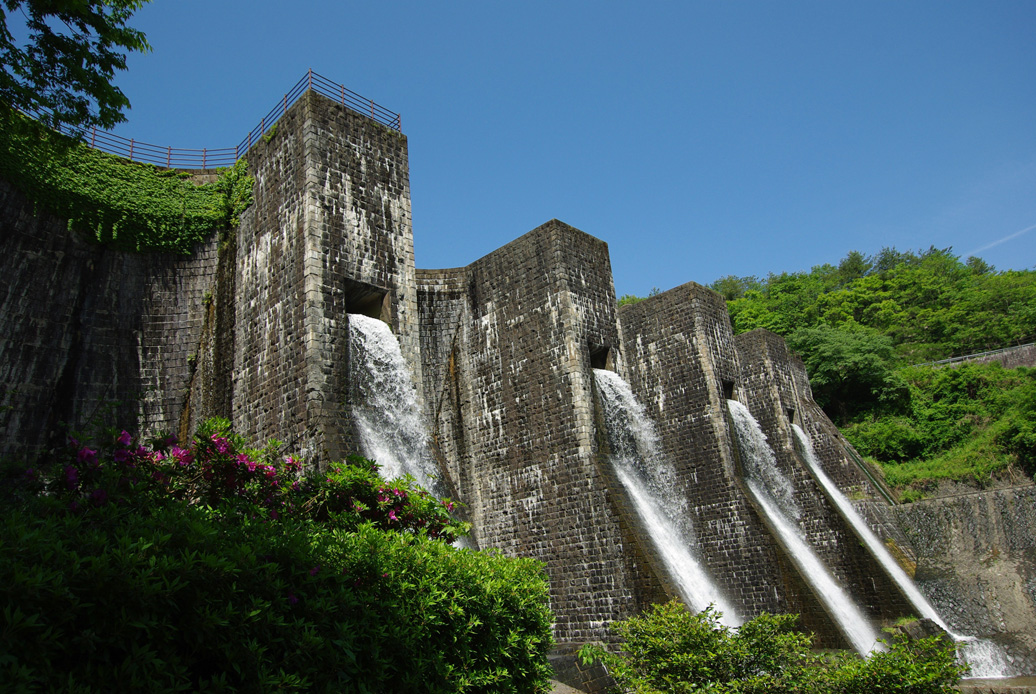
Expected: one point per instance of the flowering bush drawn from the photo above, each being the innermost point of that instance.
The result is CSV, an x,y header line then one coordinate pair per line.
x,y
218,471
168,567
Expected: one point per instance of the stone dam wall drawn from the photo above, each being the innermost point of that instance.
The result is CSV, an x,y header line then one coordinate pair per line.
x,y
501,353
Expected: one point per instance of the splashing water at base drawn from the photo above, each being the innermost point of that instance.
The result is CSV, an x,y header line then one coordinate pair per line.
x,y
761,472
987,659
649,480
386,413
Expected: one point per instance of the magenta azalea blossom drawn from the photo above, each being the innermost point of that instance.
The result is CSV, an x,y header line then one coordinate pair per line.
x,y
124,438
182,455
87,456
222,445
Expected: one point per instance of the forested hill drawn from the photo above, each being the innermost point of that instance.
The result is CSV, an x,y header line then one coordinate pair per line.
x,y
861,325
931,305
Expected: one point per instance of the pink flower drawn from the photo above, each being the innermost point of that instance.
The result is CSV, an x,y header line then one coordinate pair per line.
x,y
87,456
292,600
71,476
124,438
183,456
314,571
392,515
222,445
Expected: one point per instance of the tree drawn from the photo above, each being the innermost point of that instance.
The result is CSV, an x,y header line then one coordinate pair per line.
x,y
734,287
850,371
853,267
62,70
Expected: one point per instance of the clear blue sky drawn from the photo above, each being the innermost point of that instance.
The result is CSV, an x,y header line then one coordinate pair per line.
x,y
698,139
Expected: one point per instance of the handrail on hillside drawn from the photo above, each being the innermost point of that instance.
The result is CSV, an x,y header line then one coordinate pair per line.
x,y
174,157
977,355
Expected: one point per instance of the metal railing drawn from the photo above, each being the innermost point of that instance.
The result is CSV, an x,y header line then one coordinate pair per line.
x,y
977,355
179,158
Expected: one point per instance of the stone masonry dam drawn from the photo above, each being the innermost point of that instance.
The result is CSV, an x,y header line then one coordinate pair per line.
x,y
502,354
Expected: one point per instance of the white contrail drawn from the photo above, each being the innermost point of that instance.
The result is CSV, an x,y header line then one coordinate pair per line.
x,y
1000,241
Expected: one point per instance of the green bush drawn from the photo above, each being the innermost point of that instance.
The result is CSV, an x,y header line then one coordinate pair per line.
x,y
672,650
966,423
142,568
889,439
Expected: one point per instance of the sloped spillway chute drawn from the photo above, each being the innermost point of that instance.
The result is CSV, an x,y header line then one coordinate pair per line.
x,y
772,491
649,481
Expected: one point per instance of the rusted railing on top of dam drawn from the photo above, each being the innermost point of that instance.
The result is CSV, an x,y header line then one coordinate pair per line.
x,y
174,157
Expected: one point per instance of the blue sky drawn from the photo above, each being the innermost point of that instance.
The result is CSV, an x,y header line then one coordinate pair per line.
x,y
698,139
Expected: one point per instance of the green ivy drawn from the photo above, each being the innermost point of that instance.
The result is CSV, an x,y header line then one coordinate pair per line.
x,y
122,204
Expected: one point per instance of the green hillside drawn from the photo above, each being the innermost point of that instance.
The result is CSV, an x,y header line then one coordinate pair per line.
x,y
863,327
868,331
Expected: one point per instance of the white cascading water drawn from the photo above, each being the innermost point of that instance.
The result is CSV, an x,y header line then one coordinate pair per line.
x,y
386,413
770,488
649,480
987,659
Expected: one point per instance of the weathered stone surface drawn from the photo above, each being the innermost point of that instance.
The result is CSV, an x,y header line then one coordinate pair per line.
x,y
88,334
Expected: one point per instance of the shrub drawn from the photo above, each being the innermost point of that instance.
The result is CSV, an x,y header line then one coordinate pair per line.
x,y
670,649
892,439
211,568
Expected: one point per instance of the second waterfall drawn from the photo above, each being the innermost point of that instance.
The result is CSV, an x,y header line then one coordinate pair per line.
x,y
650,482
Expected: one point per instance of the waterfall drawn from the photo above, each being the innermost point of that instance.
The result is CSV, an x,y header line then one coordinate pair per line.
x,y
772,491
649,480
388,419
987,660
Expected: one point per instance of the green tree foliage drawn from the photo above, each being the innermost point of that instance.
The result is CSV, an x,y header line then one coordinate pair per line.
x,y
632,298
64,69
734,287
672,650
209,567
932,305
964,423
859,324
850,371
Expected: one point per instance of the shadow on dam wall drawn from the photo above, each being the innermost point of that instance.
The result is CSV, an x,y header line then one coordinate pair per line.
x,y
502,353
